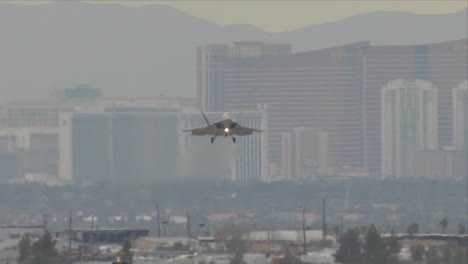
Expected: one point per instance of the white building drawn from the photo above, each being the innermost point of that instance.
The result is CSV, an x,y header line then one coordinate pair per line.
x,y
460,116
409,123
286,156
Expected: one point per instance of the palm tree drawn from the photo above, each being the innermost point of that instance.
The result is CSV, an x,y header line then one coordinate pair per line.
x,y
412,229
443,224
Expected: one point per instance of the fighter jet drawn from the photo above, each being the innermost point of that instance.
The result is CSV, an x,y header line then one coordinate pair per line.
x,y
226,127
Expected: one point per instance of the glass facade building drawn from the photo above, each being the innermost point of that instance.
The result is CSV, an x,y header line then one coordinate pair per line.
x,y
108,146
211,60
148,144
444,65
337,89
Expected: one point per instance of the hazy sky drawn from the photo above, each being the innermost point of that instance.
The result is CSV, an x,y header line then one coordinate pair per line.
x,y
281,15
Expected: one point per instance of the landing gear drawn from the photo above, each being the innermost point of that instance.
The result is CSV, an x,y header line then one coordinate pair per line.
x,y
234,140
212,139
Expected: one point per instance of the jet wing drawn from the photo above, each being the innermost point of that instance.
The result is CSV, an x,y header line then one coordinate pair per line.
x,y
201,131
243,131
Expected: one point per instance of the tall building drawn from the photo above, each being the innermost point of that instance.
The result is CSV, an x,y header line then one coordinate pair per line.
x,y
444,65
409,123
29,137
337,89
147,143
211,59
317,89
286,157
118,145
460,116
29,131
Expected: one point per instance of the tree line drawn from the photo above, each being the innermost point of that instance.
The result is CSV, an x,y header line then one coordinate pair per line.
x,y
365,245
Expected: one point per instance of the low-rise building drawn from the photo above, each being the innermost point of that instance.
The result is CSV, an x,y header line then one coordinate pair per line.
x,y
153,244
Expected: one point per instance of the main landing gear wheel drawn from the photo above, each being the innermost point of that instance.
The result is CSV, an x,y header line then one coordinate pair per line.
x,y
234,140
212,140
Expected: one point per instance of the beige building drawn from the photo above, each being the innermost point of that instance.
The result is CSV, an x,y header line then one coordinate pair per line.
x,y
151,244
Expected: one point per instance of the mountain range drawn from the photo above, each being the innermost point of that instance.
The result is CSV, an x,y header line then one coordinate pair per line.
x,y
145,51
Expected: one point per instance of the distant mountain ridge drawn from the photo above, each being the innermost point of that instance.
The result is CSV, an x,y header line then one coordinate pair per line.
x,y
130,51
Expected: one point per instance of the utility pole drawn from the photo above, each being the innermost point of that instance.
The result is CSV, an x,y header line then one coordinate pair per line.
x,y
81,251
304,243
92,235
189,233
324,221
269,240
45,222
341,225
69,236
159,220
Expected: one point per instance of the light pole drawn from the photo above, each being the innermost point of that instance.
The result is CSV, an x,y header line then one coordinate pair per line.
x,y
304,245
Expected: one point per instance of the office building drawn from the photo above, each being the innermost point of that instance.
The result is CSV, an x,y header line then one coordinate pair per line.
x,y
317,89
211,61
286,157
460,116
32,114
136,144
337,89
147,143
444,65
409,123
30,130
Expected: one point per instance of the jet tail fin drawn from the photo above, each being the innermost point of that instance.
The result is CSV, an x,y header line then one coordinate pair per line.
x,y
206,119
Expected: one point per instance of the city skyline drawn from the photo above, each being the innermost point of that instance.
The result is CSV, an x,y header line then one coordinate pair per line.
x,y
336,89
306,91
341,131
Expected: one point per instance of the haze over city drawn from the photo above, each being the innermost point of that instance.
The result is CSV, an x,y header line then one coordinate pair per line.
x,y
274,132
